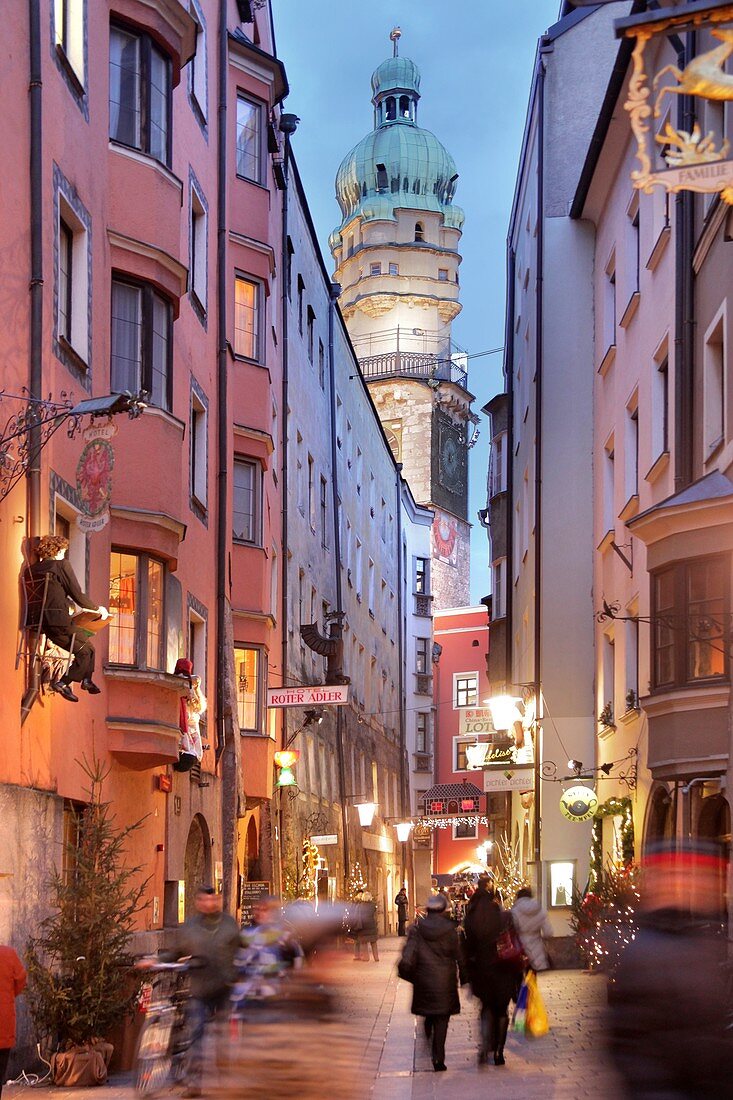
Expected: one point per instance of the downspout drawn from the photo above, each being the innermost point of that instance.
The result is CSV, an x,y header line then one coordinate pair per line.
x,y
684,302
404,801
36,283
334,291
285,535
35,379
537,676
509,385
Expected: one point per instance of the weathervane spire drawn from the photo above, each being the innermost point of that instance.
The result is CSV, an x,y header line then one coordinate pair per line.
x,y
394,36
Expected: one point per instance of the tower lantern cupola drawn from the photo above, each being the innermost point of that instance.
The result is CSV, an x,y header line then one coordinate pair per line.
x,y
395,88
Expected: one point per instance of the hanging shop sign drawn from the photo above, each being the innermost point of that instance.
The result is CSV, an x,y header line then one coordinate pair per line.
x,y
578,803
249,894
667,156
327,840
335,696
475,722
508,754
518,779
94,476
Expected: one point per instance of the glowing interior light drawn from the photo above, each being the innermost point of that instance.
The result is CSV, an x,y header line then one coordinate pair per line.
x,y
504,712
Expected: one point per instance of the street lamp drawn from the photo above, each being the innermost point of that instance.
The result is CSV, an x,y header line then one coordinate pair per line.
x,y
504,711
366,812
403,831
476,754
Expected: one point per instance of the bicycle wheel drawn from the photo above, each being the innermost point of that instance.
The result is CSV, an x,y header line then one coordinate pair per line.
x,y
152,1075
153,1061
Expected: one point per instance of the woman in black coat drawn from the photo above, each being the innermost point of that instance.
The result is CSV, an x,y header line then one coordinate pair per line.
x,y
432,954
492,980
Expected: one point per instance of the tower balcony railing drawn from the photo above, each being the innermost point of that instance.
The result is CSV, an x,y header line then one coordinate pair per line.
x,y
412,364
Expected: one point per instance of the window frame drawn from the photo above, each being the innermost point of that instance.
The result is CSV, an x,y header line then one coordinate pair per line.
x,y
72,55
251,280
421,576
259,114
66,281
141,612
422,656
458,691
261,659
255,466
423,733
681,640
147,45
198,250
149,294
199,450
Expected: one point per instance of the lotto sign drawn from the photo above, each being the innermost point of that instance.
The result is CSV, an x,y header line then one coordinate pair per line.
x,y
475,722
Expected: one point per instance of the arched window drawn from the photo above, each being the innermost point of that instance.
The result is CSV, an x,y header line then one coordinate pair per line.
x,y
419,232
391,109
404,106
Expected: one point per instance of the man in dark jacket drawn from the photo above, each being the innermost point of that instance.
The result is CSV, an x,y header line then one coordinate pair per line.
x,y
433,955
402,906
52,590
211,938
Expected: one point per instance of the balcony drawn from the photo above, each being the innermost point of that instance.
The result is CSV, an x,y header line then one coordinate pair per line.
x,y
412,364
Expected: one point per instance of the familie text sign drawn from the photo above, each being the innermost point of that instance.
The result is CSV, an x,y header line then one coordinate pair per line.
x,y
319,696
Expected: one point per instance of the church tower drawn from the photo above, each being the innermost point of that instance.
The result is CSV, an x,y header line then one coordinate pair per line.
x,y
396,256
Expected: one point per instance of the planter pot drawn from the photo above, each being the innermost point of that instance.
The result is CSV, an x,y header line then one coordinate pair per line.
x,y
82,1066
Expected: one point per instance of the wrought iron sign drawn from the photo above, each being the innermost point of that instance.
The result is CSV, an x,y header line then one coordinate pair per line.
x,y
668,156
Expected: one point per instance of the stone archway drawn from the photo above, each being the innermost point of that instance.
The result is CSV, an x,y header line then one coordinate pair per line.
x,y
252,850
197,860
713,824
659,826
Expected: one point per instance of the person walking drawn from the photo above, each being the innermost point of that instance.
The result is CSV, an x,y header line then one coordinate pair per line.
x,y
402,905
532,925
12,983
493,981
433,955
211,938
367,933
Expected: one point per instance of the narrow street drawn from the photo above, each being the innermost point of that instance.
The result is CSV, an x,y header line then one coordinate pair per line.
x,y
567,1063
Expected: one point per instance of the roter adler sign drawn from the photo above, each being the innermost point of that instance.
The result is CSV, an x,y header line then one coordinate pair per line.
x,y
333,696
667,156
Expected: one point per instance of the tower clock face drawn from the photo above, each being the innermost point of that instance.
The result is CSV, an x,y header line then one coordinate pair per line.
x,y
451,461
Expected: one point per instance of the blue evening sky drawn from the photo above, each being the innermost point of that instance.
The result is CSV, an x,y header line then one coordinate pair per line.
x,y
475,58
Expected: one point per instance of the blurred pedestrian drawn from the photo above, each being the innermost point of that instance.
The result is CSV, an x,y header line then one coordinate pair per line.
x,y
492,979
669,1009
367,933
12,983
532,925
433,955
402,908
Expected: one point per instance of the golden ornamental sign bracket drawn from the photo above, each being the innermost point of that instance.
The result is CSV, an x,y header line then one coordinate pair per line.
x,y
667,156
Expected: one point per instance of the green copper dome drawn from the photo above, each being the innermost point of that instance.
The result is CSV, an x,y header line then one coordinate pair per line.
x,y
398,165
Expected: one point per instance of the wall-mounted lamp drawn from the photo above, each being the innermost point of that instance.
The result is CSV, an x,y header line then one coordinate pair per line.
x,y
403,828
366,812
504,711
476,754
284,760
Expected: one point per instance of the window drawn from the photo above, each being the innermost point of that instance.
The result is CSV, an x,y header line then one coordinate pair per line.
x,y
498,474
136,630
247,305
714,386
443,274
301,290
633,251
423,740
198,65
197,644
690,617
498,588
139,93
198,247
394,269
609,514
375,269
199,450
249,139
382,181
311,332
660,408
609,306
246,507
311,493
66,268
289,268
141,341
65,524
359,554
631,647
631,455
321,365
422,576
249,688
460,758
422,655
609,678
465,831
68,19
370,587
465,689
419,232
324,513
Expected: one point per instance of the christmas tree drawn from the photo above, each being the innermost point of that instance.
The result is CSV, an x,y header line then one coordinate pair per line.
x,y
605,919
356,883
79,967
509,876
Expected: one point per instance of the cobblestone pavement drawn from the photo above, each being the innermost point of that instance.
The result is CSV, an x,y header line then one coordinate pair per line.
x,y
568,1063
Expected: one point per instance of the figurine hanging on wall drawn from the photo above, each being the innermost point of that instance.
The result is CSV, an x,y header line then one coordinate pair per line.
x,y
192,707
52,589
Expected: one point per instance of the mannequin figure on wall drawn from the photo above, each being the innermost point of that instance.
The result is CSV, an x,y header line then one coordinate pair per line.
x,y
192,707
53,613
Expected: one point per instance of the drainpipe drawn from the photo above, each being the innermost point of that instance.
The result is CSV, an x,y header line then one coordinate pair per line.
x,y
401,653
684,301
35,384
334,291
537,677
509,384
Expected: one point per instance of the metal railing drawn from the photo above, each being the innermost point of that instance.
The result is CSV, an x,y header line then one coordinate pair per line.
x,y
412,364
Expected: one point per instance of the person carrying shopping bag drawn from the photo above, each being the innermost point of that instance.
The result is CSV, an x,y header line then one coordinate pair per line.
x,y
493,978
431,960
532,926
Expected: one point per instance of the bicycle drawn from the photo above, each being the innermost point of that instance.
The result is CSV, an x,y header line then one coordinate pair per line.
x,y
165,1039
